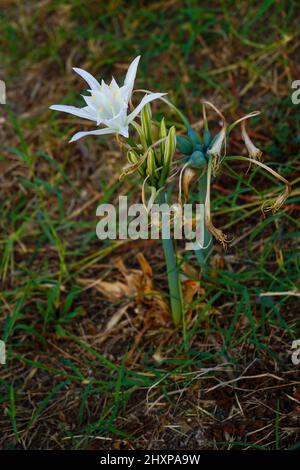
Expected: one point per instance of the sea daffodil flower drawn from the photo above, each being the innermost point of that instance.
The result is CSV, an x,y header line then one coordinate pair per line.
x,y
108,104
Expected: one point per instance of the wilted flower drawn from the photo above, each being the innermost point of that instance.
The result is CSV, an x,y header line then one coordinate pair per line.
x,y
108,104
253,151
216,148
188,176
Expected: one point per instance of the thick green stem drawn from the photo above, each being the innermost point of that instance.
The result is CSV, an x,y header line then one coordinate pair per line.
x,y
202,254
173,276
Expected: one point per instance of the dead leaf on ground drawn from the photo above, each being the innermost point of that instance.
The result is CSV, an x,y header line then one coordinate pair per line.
x,y
135,285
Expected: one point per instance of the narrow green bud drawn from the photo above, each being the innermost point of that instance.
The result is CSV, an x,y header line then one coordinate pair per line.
x,y
162,134
151,167
146,122
141,134
170,147
133,158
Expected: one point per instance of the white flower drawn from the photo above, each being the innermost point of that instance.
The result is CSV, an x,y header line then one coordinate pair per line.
x,y
108,104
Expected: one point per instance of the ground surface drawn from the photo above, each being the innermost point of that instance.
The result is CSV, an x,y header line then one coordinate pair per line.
x,y
95,365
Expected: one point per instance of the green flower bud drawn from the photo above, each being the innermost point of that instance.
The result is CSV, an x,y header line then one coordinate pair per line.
x,y
162,134
185,144
198,159
170,148
133,158
146,116
206,138
198,147
193,136
151,167
140,132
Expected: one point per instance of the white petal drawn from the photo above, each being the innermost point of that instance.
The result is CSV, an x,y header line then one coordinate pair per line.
x,y
102,103
104,87
78,135
91,81
80,112
124,132
125,93
118,121
145,100
90,101
113,84
131,73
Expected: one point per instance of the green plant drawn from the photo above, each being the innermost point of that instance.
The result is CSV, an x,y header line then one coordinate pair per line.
x,y
151,154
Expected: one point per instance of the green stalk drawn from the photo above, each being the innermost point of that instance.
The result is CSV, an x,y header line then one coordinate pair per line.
x,y
177,111
173,276
202,254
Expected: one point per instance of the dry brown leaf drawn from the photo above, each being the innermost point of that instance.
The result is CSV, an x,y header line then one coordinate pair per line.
x,y
114,320
137,286
189,289
113,291
145,266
